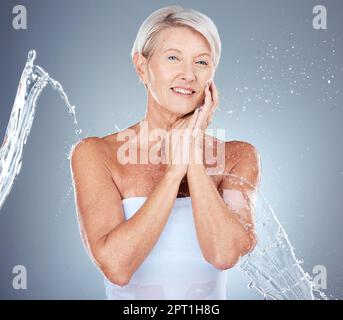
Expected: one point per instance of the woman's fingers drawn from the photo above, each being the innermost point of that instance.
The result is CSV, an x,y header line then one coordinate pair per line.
x,y
193,119
215,102
208,98
204,109
215,96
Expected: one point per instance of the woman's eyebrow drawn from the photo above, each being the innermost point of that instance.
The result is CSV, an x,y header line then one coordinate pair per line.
x,y
171,49
200,54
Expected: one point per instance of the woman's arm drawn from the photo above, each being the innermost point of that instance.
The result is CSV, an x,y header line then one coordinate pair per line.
x,y
224,224
221,222
117,246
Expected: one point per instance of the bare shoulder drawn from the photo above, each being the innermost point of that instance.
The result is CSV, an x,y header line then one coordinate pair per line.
x,y
241,158
247,161
92,152
88,148
240,150
235,150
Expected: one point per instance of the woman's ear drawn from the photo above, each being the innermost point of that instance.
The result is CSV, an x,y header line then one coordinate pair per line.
x,y
140,65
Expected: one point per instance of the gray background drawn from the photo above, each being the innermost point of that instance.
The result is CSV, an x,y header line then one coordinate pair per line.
x,y
273,78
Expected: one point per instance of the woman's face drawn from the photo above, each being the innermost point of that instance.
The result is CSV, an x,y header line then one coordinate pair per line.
x,y
181,59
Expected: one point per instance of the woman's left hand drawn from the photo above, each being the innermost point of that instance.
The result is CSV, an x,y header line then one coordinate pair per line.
x,y
205,114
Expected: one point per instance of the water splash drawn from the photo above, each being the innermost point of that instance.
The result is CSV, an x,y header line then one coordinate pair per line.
x,y
272,266
32,82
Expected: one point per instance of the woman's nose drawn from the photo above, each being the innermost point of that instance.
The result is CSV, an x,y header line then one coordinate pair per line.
x,y
188,72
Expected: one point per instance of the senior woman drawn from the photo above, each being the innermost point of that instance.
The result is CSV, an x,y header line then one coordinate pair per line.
x,y
155,217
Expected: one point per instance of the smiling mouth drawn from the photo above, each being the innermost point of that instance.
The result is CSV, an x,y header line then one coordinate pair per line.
x,y
183,92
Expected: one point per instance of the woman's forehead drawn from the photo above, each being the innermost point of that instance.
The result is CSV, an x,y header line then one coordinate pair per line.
x,y
181,39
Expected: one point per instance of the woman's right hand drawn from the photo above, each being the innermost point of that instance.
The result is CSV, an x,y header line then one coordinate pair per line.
x,y
177,144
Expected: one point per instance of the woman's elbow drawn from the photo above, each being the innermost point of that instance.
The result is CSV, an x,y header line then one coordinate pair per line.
x,y
110,270
116,277
236,253
227,263
251,242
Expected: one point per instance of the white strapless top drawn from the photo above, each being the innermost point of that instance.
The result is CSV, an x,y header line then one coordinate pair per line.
x,y
175,267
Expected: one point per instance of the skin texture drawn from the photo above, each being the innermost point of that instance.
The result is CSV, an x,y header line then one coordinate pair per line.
x,y
119,246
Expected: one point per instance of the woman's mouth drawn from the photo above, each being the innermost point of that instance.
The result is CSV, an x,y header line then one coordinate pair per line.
x,y
183,92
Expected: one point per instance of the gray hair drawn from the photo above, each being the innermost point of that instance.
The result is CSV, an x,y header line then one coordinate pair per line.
x,y
176,16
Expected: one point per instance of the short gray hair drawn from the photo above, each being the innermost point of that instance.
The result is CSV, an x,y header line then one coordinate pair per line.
x,y
176,16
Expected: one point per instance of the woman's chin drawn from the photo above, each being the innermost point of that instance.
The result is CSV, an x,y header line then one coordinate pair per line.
x,y
181,106
182,110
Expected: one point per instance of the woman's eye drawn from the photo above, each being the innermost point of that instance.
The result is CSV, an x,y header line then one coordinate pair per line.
x,y
204,62
172,57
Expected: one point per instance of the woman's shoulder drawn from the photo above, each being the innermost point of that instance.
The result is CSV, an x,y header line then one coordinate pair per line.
x,y
240,146
94,143
239,150
89,150
242,152
89,144
232,146
233,150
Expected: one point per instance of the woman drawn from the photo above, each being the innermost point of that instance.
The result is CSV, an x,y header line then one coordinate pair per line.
x,y
156,218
